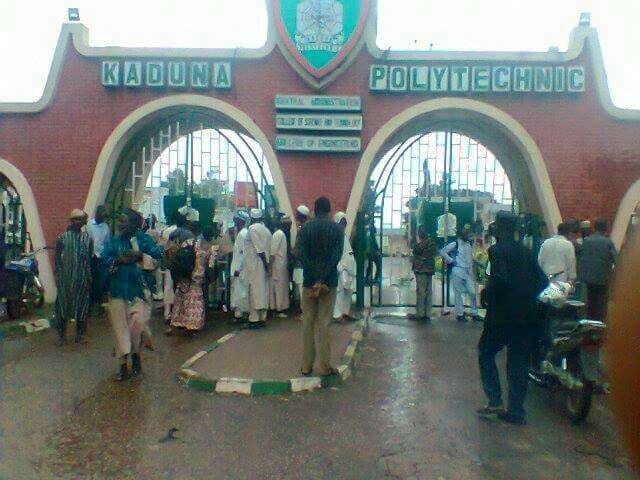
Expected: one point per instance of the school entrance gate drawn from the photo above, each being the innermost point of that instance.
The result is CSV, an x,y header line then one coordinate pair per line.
x,y
320,106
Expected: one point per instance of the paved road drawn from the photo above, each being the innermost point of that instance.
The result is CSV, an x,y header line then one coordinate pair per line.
x,y
407,413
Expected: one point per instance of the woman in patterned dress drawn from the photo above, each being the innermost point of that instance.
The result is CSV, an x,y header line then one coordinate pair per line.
x,y
189,303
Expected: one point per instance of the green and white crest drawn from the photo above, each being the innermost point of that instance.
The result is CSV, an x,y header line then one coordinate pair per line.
x,y
319,34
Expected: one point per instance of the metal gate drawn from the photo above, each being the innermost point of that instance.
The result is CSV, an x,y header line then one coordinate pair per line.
x,y
192,157
13,228
427,179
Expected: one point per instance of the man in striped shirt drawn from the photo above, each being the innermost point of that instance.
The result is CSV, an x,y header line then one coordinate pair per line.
x,y
320,244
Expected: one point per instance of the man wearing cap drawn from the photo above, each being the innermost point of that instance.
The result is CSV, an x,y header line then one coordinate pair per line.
x,y
74,251
459,255
302,215
514,283
279,268
239,288
346,274
256,265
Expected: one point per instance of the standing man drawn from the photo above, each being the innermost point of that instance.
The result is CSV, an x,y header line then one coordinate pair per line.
x,y
256,249
129,309
424,253
346,274
459,256
557,256
596,266
239,288
320,246
302,215
514,284
100,234
279,269
74,251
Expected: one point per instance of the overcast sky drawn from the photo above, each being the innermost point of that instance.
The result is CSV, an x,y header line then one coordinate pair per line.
x,y
29,30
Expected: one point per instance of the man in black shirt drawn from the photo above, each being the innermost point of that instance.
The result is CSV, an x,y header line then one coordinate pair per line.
x,y
319,244
510,297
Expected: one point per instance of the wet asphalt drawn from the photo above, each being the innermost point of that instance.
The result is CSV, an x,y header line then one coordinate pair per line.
x,y
408,412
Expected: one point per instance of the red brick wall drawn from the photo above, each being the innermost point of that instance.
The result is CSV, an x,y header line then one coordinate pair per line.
x,y
591,157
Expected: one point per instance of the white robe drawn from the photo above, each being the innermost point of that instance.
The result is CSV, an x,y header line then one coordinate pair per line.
x,y
239,289
279,282
258,241
346,280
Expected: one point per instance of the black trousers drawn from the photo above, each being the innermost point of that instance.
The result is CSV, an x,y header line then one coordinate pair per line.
x,y
597,301
519,344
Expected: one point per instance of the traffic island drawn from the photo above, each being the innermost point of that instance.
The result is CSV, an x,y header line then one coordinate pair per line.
x,y
267,361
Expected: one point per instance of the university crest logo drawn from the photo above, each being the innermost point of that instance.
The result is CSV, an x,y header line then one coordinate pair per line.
x,y
319,34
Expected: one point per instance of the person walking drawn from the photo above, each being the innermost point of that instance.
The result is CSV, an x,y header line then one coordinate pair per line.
x,y
424,253
557,256
597,258
189,302
459,256
302,216
129,308
279,269
346,274
514,283
257,246
320,246
239,289
73,256
100,234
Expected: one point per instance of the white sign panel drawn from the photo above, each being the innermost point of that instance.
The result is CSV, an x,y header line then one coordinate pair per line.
x,y
301,121
302,143
318,102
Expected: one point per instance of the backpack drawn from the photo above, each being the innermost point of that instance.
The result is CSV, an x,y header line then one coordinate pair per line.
x,y
182,261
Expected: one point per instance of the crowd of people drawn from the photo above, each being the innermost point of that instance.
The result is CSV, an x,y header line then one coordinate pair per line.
x,y
184,266
181,265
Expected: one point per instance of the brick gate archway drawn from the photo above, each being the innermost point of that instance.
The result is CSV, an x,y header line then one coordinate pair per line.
x,y
500,132
34,227
142,116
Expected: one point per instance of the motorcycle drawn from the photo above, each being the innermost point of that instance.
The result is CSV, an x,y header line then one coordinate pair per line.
x,y
21,284
569,359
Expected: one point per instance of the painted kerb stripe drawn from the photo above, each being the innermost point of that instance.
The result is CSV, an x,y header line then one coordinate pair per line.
x,y
247,386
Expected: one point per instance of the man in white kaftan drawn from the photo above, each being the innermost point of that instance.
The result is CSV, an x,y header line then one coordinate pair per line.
x,y
279,280
257,247
346,274
239,288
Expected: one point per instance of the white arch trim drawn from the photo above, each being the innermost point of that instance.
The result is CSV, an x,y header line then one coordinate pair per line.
x,y
34,226
531,153
626,208
108,159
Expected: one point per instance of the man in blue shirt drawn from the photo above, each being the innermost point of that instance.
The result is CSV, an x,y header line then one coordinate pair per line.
x,y
129,299
320,244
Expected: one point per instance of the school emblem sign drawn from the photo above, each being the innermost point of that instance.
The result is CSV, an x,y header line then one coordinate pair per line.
x,y
319,34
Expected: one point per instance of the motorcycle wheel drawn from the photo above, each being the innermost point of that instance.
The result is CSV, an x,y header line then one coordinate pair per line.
x,y
578,402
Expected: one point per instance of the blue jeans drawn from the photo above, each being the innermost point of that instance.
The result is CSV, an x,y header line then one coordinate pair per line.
x,y
463,284
519,347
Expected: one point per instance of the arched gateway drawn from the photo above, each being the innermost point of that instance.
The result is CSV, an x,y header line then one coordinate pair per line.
x,y
323,105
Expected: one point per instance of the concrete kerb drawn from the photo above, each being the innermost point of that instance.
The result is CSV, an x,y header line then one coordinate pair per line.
x,y
247,386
